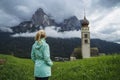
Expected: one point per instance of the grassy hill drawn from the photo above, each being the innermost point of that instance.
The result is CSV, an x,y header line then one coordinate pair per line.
x,y
96,68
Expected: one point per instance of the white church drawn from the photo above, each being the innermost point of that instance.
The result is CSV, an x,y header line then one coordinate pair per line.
x,y
85,51
85,38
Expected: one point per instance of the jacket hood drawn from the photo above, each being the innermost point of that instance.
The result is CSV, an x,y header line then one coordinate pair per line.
x,y
38,44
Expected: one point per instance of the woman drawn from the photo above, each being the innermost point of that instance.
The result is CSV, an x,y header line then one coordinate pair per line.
x,y
40,55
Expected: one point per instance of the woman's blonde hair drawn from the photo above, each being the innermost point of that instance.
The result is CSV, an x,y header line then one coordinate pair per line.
x,y
40,34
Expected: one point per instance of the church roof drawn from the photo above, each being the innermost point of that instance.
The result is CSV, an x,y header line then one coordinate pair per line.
x,y
84,22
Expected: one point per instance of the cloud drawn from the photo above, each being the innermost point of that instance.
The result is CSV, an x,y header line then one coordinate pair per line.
x,y
59,9
109,3
51,32
111,19
118,42
6,29
107,27
103,15
7,19
27,34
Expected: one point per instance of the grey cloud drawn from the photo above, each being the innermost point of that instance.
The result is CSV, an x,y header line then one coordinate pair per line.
x,y
12,7
59,9
15,11
50,32
6,29
109,3
103,5
62,9
7,19
113,28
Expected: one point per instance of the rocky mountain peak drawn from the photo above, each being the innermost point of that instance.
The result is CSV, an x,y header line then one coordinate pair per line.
x,y
40,20
40,11
71,23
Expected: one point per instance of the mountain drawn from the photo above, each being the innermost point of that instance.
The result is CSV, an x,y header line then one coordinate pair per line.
x,y
25,26
21,46
40,20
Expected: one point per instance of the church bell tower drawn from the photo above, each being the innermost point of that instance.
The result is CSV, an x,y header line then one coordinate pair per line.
x,y
85,38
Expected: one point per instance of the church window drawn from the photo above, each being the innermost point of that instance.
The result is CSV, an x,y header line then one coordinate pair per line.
x,y
86,35
86,41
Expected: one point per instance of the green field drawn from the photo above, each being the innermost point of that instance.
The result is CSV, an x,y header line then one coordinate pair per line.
x,y
95,68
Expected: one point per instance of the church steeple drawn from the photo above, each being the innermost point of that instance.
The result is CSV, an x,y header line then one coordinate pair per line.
x,y
85,37
84,14
84,22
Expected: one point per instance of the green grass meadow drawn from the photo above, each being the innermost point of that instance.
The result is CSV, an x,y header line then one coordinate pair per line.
x,y
95,68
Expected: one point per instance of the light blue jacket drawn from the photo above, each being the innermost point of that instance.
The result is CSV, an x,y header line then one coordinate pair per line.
x,y
40,54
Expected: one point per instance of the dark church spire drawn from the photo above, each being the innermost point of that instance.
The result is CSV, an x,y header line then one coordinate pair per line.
x,y
84,21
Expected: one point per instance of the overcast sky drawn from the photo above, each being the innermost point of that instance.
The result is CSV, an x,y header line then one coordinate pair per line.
x,y
103,15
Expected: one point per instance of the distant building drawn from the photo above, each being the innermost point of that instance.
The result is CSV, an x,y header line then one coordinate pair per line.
x,y
61,59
